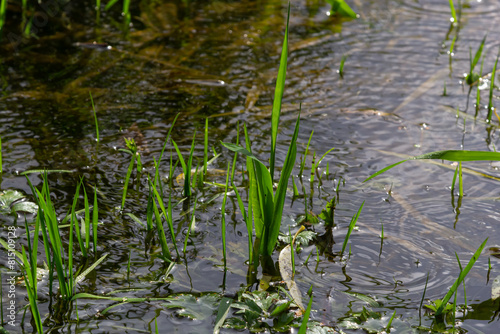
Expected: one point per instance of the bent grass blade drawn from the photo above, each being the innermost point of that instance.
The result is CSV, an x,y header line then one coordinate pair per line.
x,y
450,155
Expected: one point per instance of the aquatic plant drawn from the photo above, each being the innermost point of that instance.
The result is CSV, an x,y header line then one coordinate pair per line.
x,y
440,306
132,150
341,8
186,166
351,227
473,77
450,155
95,117
267,206
492,85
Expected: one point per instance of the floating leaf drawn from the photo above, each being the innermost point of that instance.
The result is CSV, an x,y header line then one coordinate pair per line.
x,y
285,261
10,203
199,308
495,288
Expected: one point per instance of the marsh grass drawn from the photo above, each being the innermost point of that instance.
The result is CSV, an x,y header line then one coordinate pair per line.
x,y
30,269
1,164
52,241
168,218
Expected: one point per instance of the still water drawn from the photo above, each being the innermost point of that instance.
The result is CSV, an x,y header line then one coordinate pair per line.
x,y
398,97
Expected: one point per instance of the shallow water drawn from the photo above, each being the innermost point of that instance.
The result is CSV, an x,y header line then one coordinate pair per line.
x,y
219,60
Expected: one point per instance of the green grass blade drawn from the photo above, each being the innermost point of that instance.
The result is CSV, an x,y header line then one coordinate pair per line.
x,y
460,278
305,320
388,327
223,217
492,86
42,171
453,12
1,168
87,271
168,216
351,227
3,12
95,216
479,51
460,155
205,148
303,162
384,170
253,198
191,224
95,117
161,234
166,139
186,168
87,219
31,285
74,220
248,222
278,96
127,179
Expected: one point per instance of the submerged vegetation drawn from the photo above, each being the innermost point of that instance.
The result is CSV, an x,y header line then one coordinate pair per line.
x,y
72,267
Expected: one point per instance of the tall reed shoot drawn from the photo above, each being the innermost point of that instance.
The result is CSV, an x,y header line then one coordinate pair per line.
x,y
267,205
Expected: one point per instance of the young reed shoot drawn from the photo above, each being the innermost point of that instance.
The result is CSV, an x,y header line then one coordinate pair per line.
x,y
453,18
305,320
132,149
461,277
95,117
473,77
351,227
190,227
303,162
341,66
492,86
186,166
